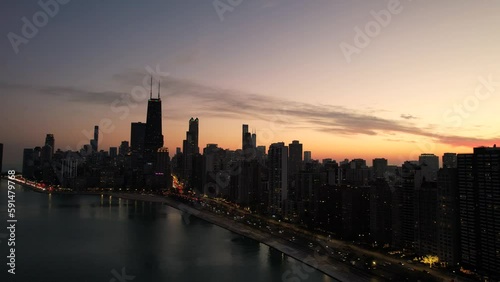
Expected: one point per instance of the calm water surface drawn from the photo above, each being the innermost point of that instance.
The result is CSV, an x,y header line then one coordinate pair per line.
x,y
67,238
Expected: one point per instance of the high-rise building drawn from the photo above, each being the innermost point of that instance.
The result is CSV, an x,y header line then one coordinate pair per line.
x,y
46,155
113,152
429,164
254,140
450,160
153,135
295,158
124,148
194,125
479,192
278,178
28,164
163,178
1,157
380,211
447,216
49,140
95,142
404,207
244,137
190,146
137,137
379,167
307,156
426,226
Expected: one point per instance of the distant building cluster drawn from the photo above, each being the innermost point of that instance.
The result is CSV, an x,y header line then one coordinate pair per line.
x,y
421,208
141,164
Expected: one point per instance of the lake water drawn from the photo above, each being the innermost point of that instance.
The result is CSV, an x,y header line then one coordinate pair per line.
x,y
70,238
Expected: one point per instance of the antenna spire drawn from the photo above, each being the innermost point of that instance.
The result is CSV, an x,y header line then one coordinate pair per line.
x,y
151,89
158,89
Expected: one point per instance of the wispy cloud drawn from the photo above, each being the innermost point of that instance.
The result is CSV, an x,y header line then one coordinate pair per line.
x,y
211,101
408,116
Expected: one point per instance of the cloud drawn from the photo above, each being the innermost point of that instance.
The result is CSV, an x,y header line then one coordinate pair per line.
x,y
191,97
408,116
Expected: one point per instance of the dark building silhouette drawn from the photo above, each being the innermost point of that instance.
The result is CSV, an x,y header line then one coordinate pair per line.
x,y
426,227
94,143
307,156
379,167
124,148
278,178
113,152
28,164
49,140
355,212
190,147
450,160
245,139
381,211
447,216
163,178
46,154
429,164
404,224
295,158
153,136
294,167
479,192
137,137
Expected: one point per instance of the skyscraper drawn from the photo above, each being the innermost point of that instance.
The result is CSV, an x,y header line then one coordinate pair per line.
x,y
137,137
295,159
307,156
49,140
194,130
450,160
479,191
28,164
163,178
379,167
190,146
124,148
447,217
430,166
113,152
244,136
153,136
278,178
94,142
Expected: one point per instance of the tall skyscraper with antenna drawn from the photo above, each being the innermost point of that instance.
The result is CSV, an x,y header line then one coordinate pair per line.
x,y
153,137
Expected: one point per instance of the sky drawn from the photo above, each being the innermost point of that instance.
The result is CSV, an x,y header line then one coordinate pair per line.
x,y
348,79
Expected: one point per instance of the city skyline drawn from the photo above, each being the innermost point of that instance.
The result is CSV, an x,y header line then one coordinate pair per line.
x,y
411,100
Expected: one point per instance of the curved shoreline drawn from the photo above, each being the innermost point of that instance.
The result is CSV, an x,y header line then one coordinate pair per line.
x,y
336,272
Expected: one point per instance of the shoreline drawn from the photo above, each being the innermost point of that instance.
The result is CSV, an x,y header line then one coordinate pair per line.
x,y
336,272
309,259
283,246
